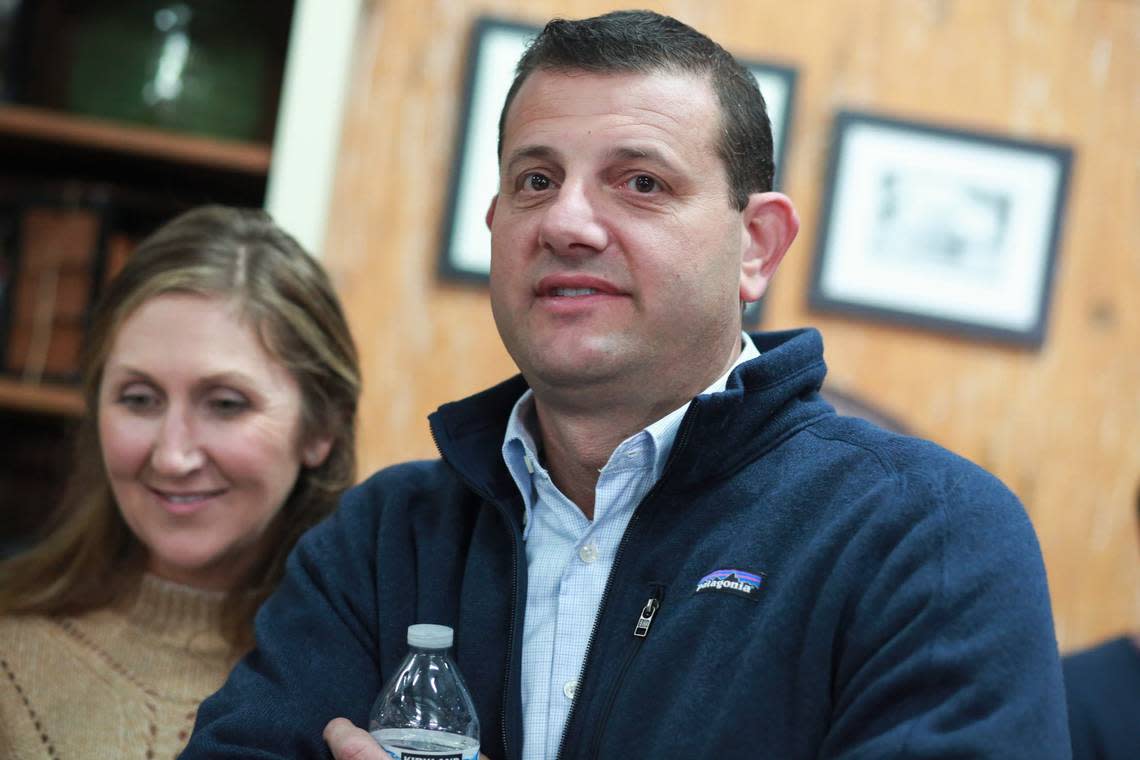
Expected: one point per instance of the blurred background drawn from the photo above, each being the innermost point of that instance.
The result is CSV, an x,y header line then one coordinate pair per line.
x,y
344,118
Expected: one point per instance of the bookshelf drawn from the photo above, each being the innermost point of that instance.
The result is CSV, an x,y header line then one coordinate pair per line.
x,y
39,144
41,398
77,192
55,129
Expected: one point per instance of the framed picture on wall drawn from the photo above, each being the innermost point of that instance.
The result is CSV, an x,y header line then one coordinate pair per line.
x,y
940,228
778,86
495,48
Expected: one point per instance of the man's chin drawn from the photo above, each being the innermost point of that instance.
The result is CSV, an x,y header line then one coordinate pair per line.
x,y
575,371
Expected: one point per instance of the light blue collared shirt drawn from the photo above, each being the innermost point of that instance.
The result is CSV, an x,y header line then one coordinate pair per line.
x,y
569,557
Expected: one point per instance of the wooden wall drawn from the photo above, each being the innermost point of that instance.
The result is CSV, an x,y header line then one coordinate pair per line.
x,y
1061,425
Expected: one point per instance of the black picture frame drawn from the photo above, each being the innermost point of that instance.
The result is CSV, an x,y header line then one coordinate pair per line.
x,y
777,83
493,51
494,48
940,228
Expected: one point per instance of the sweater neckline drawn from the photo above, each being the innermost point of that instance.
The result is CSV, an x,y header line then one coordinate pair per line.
x,y
163,606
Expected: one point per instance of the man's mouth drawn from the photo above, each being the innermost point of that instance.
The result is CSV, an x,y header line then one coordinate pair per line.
x,y
575,285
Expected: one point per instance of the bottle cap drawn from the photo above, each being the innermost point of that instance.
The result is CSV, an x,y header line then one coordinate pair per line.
x,y
429,636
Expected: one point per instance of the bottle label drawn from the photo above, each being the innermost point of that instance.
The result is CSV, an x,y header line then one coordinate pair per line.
x,y
418,744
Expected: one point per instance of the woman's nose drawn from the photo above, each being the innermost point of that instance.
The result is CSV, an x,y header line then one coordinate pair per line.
x,y
177,450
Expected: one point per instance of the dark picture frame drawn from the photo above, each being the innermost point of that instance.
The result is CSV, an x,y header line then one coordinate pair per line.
x,y
493,51
777,82
494,48
940,228
778,86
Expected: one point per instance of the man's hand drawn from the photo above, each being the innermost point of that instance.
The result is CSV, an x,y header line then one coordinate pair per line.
x,y
348,742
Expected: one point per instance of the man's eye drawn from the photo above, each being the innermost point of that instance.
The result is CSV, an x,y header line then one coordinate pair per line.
x,y
642,183
536,181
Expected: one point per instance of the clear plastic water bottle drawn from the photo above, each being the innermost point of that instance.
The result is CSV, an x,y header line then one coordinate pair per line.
x,y
425,710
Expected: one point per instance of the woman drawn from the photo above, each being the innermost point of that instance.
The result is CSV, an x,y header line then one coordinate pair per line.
x,y
221,385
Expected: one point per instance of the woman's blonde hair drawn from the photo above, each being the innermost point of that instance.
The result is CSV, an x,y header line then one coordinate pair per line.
x,y
88,558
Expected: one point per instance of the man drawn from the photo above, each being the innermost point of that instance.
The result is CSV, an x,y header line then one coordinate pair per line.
x,y
659,541
1102,688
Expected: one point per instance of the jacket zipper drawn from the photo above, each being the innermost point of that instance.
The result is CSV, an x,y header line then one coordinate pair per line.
x,y
678,445
510,629
640,632
514,593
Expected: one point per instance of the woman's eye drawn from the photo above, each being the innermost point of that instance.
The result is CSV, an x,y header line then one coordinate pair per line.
x,y
536,181
642,183
228,405
138,401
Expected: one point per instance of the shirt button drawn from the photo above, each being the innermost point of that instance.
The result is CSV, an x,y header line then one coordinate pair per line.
x,y
588,553
569,688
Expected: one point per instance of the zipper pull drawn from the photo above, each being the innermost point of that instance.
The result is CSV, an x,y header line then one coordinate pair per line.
x,y
646,619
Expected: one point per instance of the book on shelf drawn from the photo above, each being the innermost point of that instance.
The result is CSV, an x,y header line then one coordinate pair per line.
x,y
61,244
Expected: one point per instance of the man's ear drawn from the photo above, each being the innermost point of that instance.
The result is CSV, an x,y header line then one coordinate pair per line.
x,y
316,451
490,217
770,226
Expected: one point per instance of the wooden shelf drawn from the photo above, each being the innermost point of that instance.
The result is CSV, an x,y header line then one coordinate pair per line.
x,y
43,125
44,398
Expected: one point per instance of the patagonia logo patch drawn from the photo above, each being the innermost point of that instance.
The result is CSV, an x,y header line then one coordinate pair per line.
x,y
736,582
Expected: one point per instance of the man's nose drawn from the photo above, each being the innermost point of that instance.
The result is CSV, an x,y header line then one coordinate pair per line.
x,y
177,450
572,224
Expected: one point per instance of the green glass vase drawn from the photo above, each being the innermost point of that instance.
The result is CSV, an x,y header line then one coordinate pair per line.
x,y
198,66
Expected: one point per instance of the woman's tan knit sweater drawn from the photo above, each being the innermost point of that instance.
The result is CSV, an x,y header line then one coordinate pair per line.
x,y
114,684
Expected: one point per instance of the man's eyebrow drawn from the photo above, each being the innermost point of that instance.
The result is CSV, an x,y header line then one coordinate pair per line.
x,y
548,153
640,153
530,152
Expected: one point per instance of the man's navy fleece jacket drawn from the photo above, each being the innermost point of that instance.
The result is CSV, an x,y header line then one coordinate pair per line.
x,y
825,589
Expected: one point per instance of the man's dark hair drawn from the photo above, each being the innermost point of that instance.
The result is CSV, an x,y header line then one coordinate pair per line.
x,y
647,42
